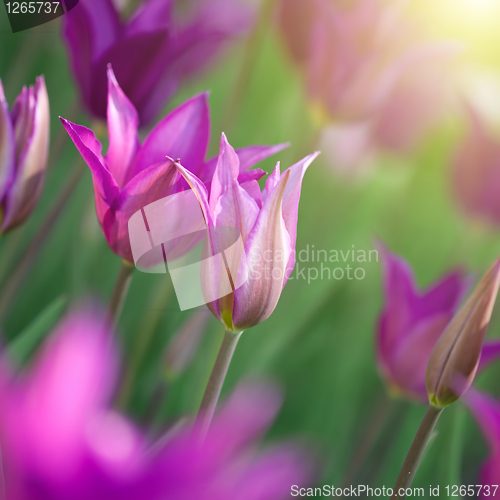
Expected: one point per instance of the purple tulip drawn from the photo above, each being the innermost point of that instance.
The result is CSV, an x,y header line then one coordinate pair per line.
x,y
24,147
267,224
486,412
371,79
61,439
476,171
411,323
131,176
152,52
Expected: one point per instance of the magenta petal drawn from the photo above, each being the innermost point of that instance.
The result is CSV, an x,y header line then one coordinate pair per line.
x,y
122,129
152,15
152,184
29,176
71,380
252,155
486,411
267,249
135,62
291,199
248,156
105,187
7,145
227,170
90,29
489,354
183,134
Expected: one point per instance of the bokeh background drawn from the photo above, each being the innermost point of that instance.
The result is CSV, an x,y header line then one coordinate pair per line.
x,y
319,342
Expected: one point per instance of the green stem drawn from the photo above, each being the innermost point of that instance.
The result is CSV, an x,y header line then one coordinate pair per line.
x,y
214,386
142,341
372,432
417,449
28,258
120,292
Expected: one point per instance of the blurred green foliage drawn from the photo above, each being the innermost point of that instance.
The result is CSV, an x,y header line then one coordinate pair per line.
x,y
319,343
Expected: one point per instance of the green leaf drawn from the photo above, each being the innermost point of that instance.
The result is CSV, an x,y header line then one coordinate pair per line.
x,y
22,347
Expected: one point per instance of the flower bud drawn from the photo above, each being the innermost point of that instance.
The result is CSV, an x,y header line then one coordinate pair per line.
x,y
454,361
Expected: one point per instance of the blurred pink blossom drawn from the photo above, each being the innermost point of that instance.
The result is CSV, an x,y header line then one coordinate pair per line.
x,y
62,440
367,67
412,322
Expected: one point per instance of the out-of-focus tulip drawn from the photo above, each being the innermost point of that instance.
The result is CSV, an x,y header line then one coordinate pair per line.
x,y
61,439
366,67
24,147
131,176
455,358
476,171
486,412
411,323
152,52
267,224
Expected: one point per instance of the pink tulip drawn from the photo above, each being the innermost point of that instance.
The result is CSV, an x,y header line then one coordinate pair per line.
x,y
365,66
411,324
61,439
267,223
476,171
24,148
132,175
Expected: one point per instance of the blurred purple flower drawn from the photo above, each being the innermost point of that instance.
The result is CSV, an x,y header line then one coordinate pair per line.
x,y
131,176
152,52
476,171
368,73
24,147
411,323
267,224
61,440
486,412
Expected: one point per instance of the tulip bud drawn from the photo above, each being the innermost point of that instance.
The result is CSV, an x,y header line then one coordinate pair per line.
x,y
24,145
454,361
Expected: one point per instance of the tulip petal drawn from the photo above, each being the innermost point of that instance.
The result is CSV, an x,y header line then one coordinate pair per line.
x,y
184,134
267,249
248,156
76,368
291,199
149,185
227,170
455,359
152,15
7,149
135,65
30,172
105,187
486,411
122,128
489,354
90,29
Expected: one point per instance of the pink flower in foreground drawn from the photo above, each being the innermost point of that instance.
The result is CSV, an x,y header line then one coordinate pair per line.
x,y
476,171
152,52
24,149
412,322
486,412
132,175
373,82
61,440
267,223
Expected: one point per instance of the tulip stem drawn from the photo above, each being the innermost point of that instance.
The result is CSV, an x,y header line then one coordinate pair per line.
x,y
417,449
214,386
16,278
120,290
